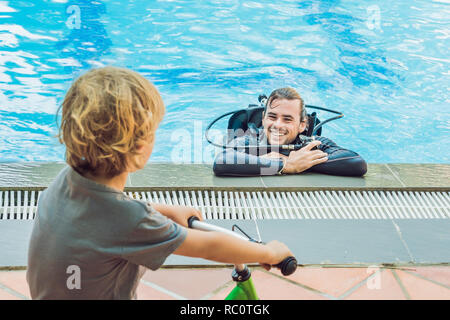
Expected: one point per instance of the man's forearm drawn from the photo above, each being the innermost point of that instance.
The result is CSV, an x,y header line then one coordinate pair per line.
x,y
341,162
351,165
233,163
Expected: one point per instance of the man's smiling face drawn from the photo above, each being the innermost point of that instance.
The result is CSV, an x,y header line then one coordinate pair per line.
x,y
282,121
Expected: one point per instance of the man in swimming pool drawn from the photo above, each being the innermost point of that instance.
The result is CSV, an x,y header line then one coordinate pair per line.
x,y
284,119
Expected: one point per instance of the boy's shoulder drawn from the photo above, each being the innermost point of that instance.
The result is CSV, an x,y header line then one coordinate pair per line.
x,y
73,190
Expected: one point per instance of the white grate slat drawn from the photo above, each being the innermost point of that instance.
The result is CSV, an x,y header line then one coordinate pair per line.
x,y
437,198
1,205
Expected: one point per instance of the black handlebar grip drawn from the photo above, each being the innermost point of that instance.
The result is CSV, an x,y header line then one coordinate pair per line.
x,y
191,220
287,266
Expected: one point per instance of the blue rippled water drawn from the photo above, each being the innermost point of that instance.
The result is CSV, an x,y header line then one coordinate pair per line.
x,y
385,64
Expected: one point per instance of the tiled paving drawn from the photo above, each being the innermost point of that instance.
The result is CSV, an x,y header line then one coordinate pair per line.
x,y
308,283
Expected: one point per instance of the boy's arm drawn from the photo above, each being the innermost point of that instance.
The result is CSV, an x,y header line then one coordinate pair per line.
x,y
179,214
225,248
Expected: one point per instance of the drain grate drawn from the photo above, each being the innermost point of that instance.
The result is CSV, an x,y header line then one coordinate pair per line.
x,y
21,205
18,205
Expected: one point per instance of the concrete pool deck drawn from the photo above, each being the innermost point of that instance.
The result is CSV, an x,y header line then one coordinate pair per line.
x,y
199,176
410,256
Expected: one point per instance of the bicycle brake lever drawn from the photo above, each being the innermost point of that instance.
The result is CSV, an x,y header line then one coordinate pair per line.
x,y
245,234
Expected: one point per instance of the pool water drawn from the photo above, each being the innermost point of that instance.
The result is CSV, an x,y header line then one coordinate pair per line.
x,y
384,64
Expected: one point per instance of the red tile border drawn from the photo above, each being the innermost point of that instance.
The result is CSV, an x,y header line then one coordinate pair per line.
x,y
190,283
145,292
16,280
222,293
314,283
438,274
270,287
331,281
380,286
4,295
420,289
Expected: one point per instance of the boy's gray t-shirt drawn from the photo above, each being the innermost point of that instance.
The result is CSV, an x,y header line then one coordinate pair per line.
x,y
90,241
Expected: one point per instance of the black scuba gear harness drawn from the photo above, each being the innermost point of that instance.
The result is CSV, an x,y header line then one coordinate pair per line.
x,y
250,120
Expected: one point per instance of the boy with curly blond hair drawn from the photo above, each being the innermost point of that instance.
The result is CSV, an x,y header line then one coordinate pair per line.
x,y
87,227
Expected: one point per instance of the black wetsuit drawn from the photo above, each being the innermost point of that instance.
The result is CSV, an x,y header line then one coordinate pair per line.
x,y
243,162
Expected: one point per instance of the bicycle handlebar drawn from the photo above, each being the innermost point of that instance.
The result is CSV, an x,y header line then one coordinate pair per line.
x,y
287,266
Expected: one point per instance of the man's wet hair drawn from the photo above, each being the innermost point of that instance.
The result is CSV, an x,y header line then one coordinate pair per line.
x,y
288,94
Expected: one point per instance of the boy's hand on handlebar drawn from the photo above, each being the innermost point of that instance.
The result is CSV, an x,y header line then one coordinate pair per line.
x,y
179,214
182,214
279,252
